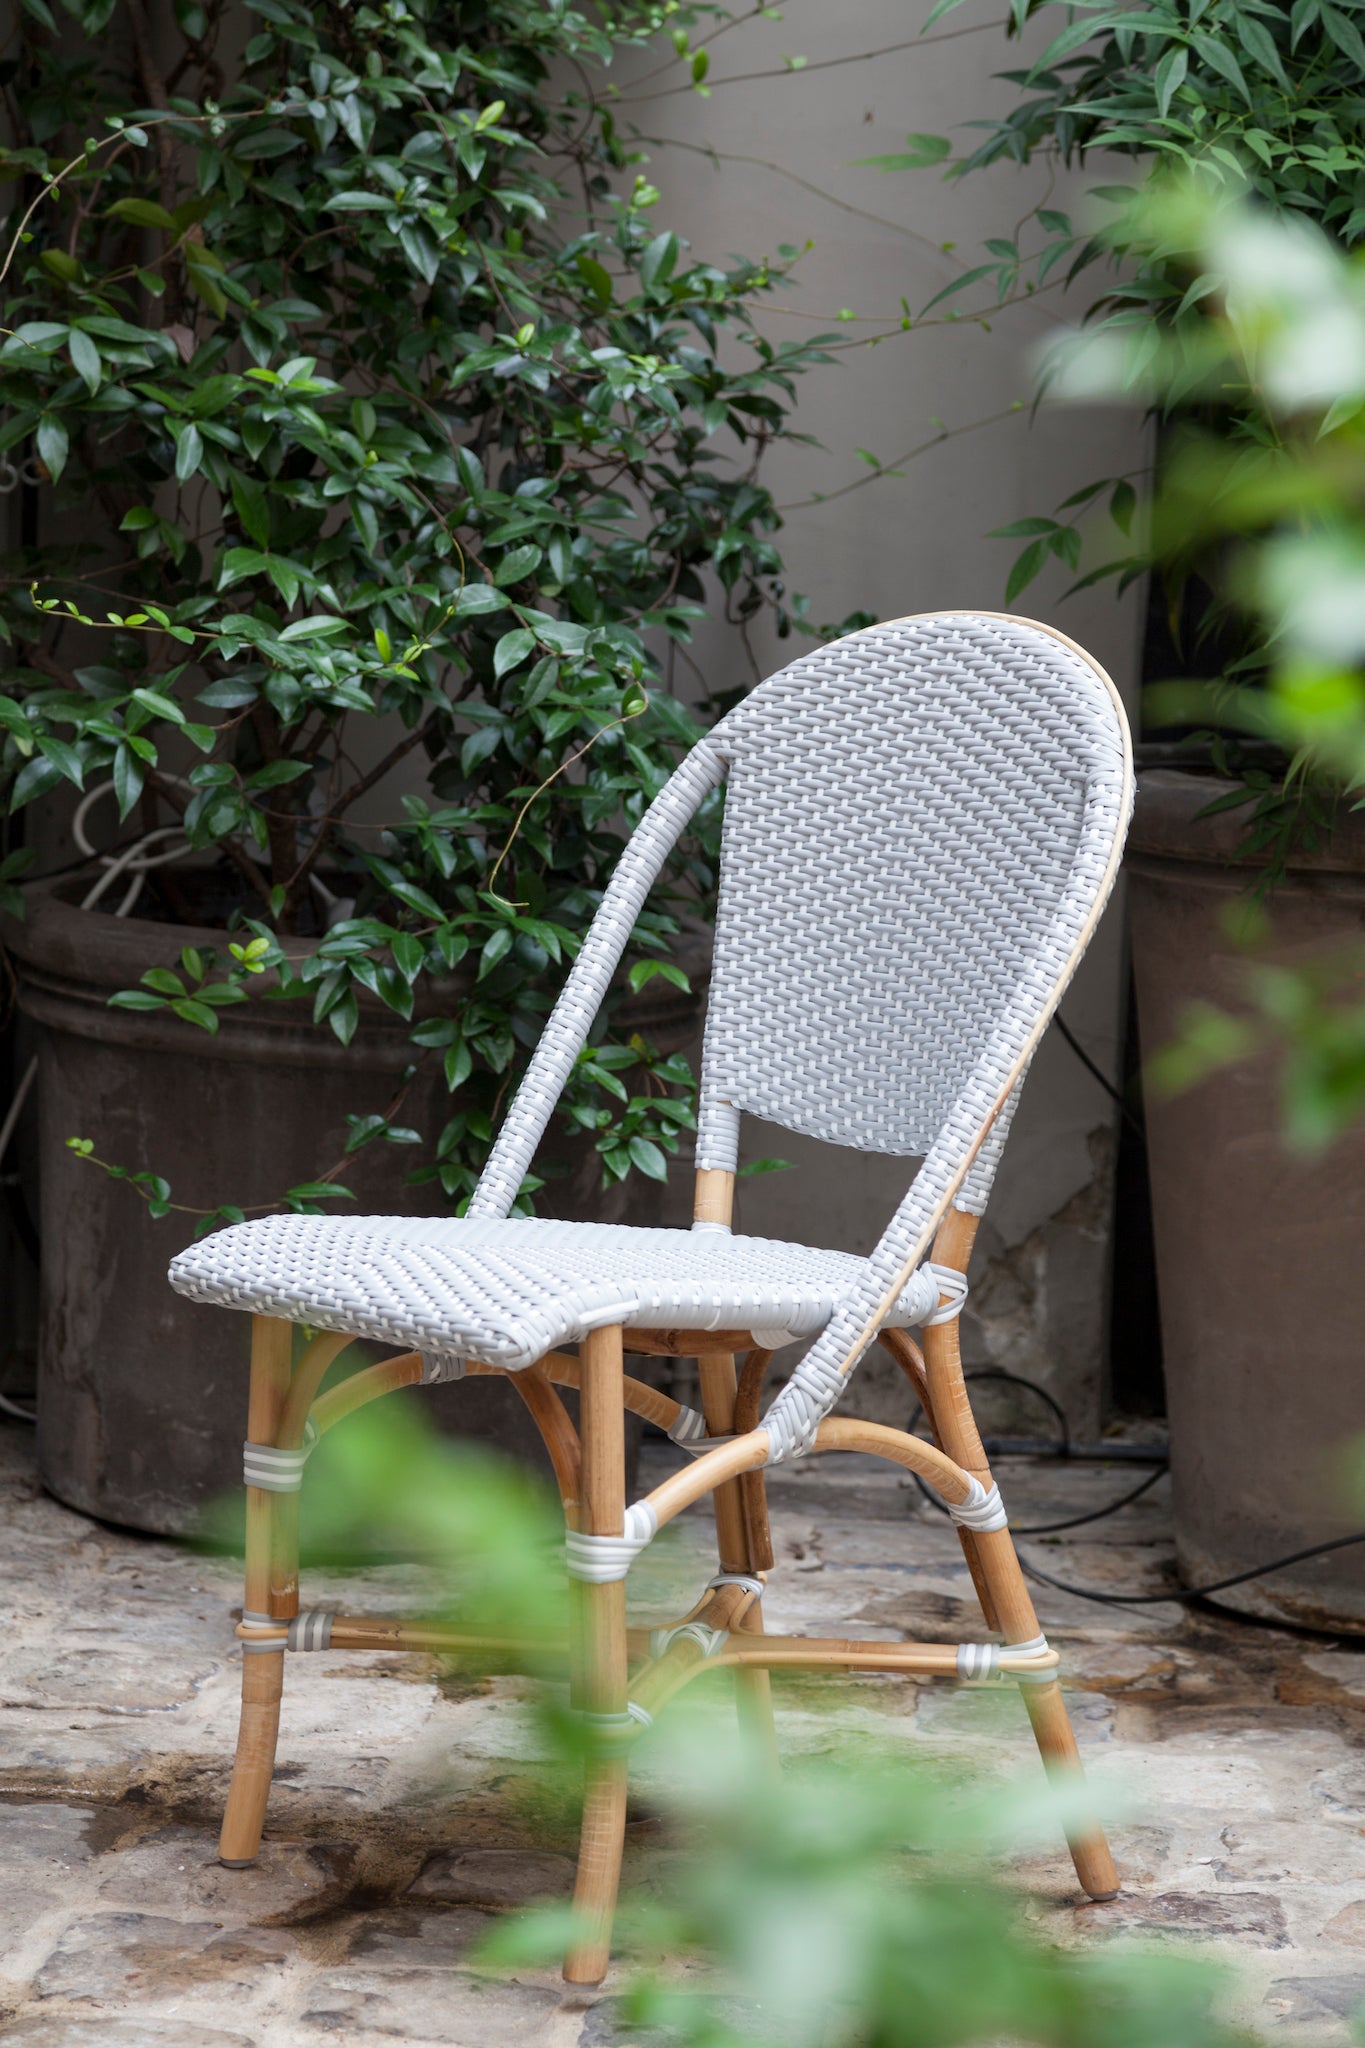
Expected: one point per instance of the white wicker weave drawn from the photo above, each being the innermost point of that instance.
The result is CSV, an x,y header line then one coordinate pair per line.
x,y
508,1292
922,824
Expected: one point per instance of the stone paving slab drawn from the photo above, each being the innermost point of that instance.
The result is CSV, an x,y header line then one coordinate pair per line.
x,y
411,1805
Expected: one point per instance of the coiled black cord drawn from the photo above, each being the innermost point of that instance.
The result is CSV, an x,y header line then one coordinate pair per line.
x,y
1063,1449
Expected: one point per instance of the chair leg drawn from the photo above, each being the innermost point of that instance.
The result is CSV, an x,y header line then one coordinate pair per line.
x,y
754,1701
995,1565
271,1589
257,1733
1047,1712
753,1688
600,1625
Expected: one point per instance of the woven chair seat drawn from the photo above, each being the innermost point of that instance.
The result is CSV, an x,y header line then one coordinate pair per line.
x,y
506,1292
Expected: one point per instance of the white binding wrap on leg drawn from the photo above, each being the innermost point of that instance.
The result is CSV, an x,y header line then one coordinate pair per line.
x,y
983,1509
954,1285
712,1640
597,1560
689,1428
274,1470
440,1366
312,1629
991,1661
266,1644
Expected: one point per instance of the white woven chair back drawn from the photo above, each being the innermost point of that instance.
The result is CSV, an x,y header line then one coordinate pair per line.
x,y
923,823
904,812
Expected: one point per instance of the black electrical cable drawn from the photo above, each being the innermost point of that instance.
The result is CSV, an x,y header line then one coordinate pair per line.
x,y
1097,1073
1033,1571
1183,1593
1096,1514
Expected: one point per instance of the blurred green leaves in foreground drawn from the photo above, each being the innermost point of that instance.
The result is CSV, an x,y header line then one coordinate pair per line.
x,y
1271,483
851,1905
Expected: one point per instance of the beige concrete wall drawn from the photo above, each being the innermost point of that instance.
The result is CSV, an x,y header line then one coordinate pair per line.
x,y
769,159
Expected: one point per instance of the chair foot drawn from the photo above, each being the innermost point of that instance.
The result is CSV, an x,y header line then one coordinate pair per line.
x,y
1061,1759
254,1765
599,1870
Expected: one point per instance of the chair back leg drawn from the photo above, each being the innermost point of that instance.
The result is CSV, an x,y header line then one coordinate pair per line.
x,y
1006,1600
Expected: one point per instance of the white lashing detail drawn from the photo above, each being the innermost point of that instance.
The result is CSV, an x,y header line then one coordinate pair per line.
x,y
978,1660
597,1560
312,1629
440,1366
983,1509
745,1579
271,1644
992,1661
274,1470
1036,1646
689,1427
712,1640
954,1285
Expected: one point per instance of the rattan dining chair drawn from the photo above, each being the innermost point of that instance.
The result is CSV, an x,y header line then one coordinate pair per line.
x,y
923,823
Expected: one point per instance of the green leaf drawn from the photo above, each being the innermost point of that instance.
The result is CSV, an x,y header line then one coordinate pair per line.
x,y
459,1064
1025,569
53,444
276,773
1170,76
1220,59
189,452
512,650
164,981
476,598
320,627
127,779
253,508
657,264
646,1155
142,213
497,947
64,758
921,152
596,278
517,564
85,359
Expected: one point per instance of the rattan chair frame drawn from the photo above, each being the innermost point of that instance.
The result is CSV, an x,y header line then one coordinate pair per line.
x,y
621,1682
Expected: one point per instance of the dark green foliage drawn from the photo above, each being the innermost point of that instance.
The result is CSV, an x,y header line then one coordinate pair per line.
x,y
1240,94
377,418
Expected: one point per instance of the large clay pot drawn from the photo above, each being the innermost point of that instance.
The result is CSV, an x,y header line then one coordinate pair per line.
x,y
1259,1251
142,1394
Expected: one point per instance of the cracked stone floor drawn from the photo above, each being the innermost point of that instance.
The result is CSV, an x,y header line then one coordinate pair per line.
x,y
397,1827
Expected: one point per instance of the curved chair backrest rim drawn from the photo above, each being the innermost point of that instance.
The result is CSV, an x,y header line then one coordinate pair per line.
x,y
645,857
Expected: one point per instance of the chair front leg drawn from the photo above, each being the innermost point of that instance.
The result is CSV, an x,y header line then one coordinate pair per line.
x,y
271,1594
600,1657
1009,1605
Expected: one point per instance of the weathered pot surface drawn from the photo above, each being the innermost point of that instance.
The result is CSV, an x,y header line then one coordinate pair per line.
x,y
142,1394
1260,1274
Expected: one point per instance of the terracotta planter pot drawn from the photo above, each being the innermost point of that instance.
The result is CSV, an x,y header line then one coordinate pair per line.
x,y
1259,1266
142,1394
